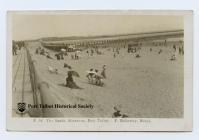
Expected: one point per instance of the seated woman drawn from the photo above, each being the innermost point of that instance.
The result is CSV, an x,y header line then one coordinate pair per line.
x,y
70,82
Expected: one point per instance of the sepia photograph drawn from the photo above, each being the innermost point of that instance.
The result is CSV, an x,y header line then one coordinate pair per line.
x,y
86,64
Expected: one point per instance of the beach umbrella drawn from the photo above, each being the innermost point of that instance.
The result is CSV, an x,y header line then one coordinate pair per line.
x,y
74,73
63,50
93,72
70,47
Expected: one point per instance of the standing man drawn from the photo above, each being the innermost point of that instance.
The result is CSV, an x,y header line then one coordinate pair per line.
x,y
103,73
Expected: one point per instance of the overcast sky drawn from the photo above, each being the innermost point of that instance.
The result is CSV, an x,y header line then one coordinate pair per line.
x,y
37,26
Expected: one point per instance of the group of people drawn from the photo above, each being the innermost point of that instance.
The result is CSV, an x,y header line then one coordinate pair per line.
x,y
17,46
93,51
175,50
59,56
93,75
42,51
179,50
14,50
75,56
117,113
95,78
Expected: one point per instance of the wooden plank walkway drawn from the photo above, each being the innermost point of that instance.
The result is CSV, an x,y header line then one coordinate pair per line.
x,y
21,85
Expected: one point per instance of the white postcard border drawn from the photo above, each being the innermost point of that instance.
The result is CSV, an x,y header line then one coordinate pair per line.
x,y
113,124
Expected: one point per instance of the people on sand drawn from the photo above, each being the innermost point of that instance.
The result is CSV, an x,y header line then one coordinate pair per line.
x,y
94,77
87,52
174,47
92,52
98,78
103,73
72,56
160,51
173,57
90,75
14,50
58,56
76,56
117,113
48,56
42,52
37,51
67,66
70,82
137,56
62,56
114,55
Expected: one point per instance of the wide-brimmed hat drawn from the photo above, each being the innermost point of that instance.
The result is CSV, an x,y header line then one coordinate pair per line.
x,y
93,72
74,73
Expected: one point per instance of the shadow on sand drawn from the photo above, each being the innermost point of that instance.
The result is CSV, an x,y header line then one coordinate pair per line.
x,y
64,85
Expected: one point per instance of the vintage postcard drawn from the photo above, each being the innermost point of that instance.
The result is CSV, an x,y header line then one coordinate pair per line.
x,y
99,70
